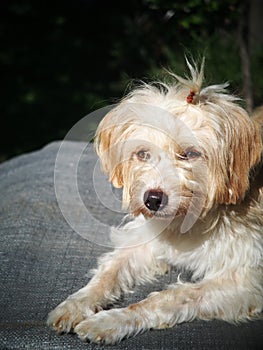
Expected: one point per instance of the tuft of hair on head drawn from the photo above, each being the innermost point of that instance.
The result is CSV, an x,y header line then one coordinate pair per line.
x,y
192,84
195,81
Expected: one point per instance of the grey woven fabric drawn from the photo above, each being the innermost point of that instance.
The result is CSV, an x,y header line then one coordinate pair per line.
x,y
43,259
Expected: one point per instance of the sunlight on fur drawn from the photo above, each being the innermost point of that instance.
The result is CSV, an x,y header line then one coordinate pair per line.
x,y
189,160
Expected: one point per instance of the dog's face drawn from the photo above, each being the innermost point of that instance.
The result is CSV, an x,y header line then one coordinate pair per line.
x,y
171,156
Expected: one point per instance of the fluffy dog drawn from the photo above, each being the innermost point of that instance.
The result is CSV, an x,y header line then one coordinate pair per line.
x,y
189,160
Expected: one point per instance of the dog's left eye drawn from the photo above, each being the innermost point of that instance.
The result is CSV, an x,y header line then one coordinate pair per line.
x,y
143,155
190,154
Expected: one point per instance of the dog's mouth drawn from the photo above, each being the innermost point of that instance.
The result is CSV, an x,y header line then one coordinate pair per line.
x,y
160,214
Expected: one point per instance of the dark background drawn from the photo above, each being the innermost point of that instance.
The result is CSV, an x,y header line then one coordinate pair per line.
x,y
60,60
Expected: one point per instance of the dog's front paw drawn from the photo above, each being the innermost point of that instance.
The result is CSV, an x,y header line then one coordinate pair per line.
x,y
107,327
68,314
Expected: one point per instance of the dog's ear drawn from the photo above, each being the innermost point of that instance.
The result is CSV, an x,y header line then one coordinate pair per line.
x,y
243,154
108,149
117,176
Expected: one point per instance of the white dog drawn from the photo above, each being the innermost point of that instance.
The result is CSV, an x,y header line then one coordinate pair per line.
x,y
189,160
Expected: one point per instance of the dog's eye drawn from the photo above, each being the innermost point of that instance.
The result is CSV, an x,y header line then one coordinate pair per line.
x,y
143,155
190,154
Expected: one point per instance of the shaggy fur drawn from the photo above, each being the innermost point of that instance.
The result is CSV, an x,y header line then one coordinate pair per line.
x,y
189,160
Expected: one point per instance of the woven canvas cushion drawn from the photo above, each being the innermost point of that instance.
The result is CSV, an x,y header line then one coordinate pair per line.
x,y
44,257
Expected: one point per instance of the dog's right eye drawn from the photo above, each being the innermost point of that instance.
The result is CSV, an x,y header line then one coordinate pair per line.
x,y
143,155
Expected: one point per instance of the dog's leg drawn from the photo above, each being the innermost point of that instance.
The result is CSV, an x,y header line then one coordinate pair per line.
x,y
221,299
118,272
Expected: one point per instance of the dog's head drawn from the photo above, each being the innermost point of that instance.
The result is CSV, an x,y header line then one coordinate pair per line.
x,y
175,147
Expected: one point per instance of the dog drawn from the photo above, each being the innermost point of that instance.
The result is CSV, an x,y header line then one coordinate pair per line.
x,y
189,160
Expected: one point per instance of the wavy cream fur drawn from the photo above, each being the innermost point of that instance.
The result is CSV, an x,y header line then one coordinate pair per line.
x,y
211,225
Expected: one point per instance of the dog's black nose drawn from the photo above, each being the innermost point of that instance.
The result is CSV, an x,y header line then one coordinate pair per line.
x,y
155,199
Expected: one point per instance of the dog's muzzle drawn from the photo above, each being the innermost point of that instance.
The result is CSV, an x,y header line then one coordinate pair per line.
x,y
155,200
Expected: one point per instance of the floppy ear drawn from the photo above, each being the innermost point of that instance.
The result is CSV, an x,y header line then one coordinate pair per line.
x,y
117,176
244,153
107,148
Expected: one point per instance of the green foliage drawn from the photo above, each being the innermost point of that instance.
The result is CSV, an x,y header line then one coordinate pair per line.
x,y
60,60
199,16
